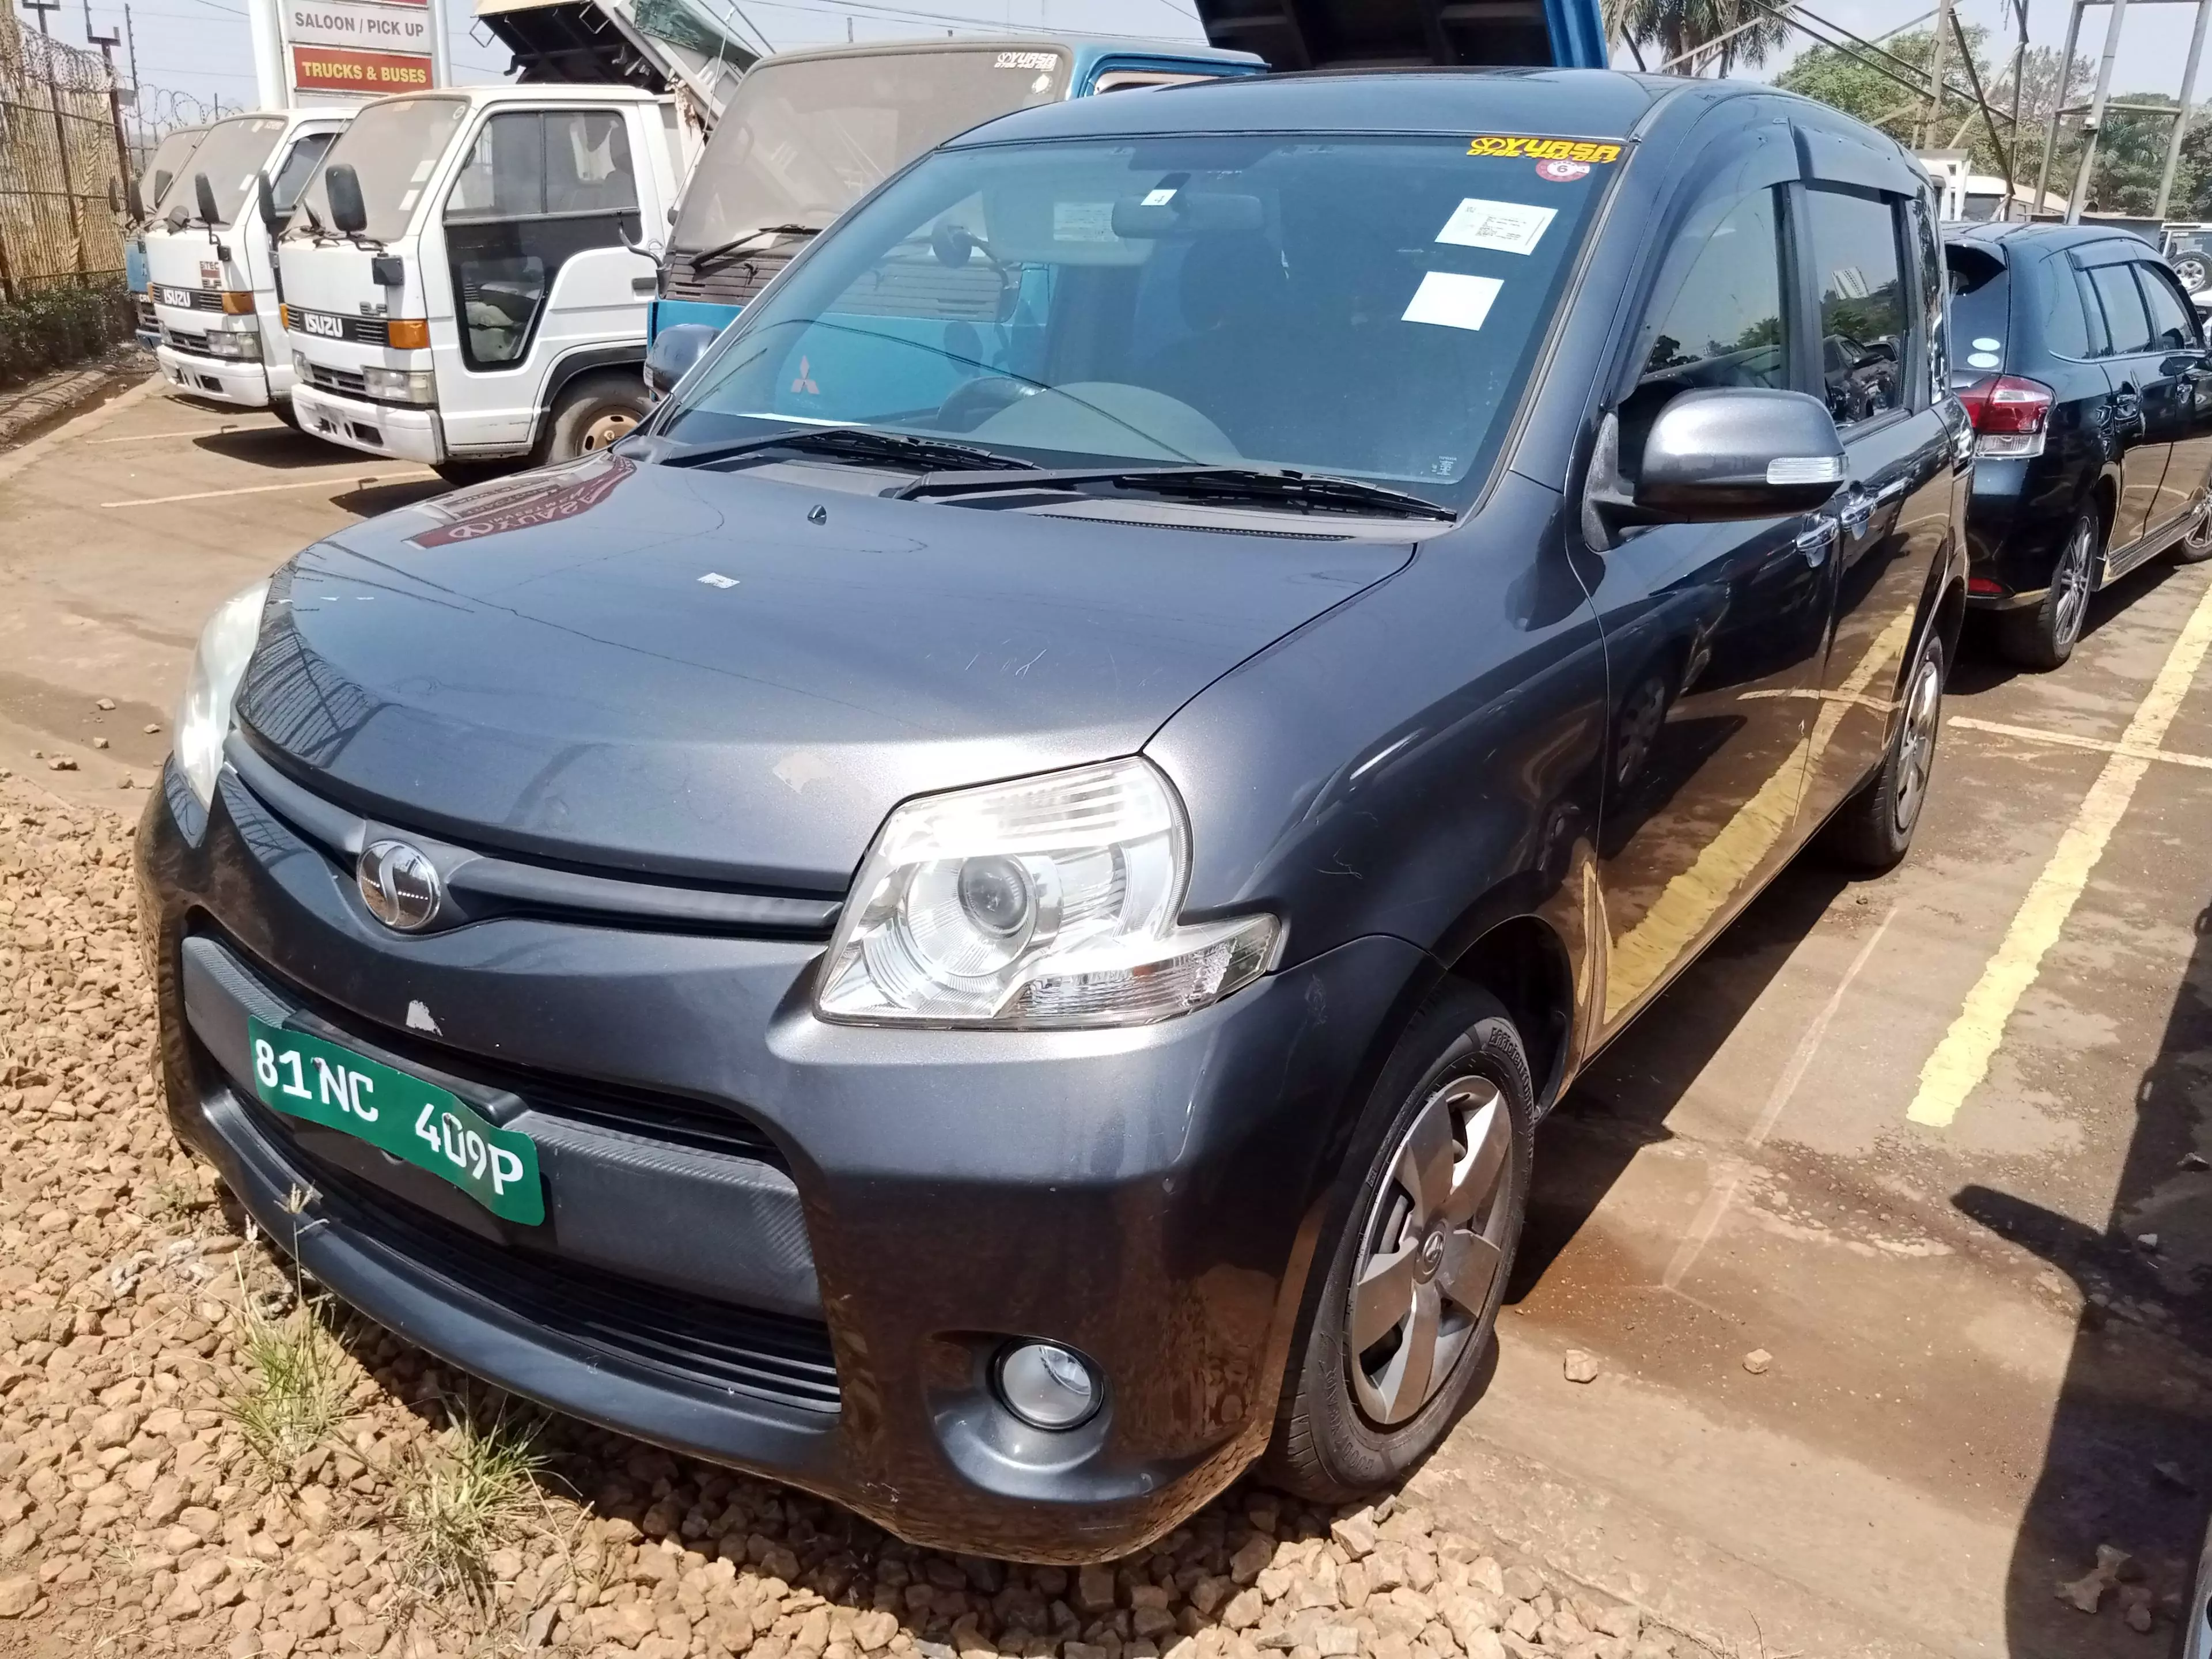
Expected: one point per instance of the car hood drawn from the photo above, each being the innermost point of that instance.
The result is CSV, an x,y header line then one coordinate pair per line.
x,y
736,678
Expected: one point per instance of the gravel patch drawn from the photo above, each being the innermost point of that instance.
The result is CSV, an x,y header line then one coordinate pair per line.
x,y
199,1454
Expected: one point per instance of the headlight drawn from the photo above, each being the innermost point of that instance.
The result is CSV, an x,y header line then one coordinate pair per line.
x,y
1048,900
218,666
401,386
240,344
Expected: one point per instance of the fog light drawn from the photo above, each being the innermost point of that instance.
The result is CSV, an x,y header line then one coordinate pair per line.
x,y
1047,1386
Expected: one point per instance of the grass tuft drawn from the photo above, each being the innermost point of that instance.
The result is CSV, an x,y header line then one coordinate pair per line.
x,y
299,1384
473,1489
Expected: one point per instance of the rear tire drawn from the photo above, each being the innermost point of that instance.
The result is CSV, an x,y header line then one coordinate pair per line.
x,y
283,409
1455,1101
594,412
2195,547
2042,637
1873,830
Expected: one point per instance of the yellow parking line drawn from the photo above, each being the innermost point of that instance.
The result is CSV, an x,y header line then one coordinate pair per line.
x,y
2068,739
323,483
1962,1060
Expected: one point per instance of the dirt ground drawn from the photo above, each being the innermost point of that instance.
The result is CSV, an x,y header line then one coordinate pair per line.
x,y
1885,1235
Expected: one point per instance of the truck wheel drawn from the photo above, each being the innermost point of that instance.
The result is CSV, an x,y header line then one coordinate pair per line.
x,y
1394,1334
2043,636
283,409
592,412
1873,830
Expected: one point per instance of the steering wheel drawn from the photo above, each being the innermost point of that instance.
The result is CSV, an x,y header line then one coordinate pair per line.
x,y
973,402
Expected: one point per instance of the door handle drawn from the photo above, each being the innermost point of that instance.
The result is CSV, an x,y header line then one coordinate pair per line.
x,y
1856,513
1815,543
1891,491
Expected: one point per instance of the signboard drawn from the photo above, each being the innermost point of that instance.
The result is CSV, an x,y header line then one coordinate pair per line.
x,y
364,24
368,74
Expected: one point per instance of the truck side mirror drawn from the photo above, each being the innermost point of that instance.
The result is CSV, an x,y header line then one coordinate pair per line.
x,y
264,197
348,213
204,199
136,201
1737,452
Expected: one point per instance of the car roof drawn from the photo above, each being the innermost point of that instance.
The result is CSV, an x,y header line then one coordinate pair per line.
x,y
2001,238
1551,102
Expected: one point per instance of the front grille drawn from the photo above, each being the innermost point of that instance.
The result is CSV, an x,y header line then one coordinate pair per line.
x,y
362,331
183,342
338,379
146,316
727,281
672,1333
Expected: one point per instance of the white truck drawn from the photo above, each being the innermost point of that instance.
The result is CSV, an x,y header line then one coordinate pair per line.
x,y
211,277
459,279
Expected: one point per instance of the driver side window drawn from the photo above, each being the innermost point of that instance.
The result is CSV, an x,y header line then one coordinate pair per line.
x,y
1717,320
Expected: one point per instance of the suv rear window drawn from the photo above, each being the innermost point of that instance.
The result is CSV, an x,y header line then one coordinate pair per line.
x,y
1981,307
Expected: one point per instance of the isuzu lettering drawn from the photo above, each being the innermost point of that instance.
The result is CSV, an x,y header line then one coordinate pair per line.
x,y
460,279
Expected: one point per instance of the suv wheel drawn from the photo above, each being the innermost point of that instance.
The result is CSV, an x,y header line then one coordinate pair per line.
x,y
2043,636
2195,547
593,412
1394,1335
1873,830
2193,270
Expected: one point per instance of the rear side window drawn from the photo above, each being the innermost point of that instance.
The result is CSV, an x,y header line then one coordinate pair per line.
x,y
2127,325
1863,321
2171,328
1981,308
2065,330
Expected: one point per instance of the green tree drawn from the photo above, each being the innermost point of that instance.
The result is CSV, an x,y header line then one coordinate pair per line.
x,y
1668,29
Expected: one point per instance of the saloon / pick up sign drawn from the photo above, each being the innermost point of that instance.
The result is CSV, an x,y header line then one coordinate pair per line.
x,y
367,48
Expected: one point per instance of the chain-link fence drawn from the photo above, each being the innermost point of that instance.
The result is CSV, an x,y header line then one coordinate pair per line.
x,y
61,194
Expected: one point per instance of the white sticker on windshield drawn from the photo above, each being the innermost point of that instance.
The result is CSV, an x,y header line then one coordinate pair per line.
x,y
1454,300
407,202
1082,222
1159,197
1506,227
422,170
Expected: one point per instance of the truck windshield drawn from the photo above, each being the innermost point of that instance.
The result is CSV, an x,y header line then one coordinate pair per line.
x,y
1361,306
801,141
230,155
393,146
166,166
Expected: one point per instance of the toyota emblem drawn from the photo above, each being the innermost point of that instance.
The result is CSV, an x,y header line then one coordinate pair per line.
x,y
399,884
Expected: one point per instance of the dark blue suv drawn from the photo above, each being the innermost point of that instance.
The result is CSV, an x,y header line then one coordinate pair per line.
x,y
979,919
2083,366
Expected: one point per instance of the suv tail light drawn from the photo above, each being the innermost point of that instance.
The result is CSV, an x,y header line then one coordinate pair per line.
x,y
2010,415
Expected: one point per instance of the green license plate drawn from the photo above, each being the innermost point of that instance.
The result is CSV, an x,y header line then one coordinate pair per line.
x,y
304,1077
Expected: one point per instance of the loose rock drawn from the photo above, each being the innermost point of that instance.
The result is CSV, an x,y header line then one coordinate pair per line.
x,y
1581,1367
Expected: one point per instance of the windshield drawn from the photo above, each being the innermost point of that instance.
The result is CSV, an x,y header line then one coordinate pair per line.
x,y
1365,306
299,164
802,142
230,157
166,165
393,148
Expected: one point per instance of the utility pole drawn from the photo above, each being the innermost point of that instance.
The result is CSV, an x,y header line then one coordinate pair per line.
x,y
2095,119
42,7
2057,105
2187,103
1934,120
107,44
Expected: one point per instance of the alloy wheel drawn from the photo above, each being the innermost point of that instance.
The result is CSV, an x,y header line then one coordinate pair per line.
x,y
1916,739
607,426
2072,579
1431,1250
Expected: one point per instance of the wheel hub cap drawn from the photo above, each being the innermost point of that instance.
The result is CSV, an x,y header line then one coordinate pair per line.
x,y
607,428
1431,1250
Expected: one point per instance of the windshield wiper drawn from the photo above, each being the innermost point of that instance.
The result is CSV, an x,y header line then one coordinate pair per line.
x,y
721,249
1307,491
862,443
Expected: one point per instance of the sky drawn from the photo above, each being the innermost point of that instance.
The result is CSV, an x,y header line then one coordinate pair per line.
x,y
198,48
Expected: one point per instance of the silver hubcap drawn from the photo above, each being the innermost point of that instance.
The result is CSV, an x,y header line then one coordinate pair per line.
x,y
607,428
2072,581
1916,750
1431,1250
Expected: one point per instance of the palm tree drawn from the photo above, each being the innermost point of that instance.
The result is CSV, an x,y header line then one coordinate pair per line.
x,y
1672,29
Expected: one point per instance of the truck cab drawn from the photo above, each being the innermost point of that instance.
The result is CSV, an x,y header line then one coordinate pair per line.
x,y
211,265
809,133
460,280
161,170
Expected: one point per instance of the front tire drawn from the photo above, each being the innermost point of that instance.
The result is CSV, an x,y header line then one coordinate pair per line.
x,y
2195,547
1873,830
593,412
2044,635
1394,1334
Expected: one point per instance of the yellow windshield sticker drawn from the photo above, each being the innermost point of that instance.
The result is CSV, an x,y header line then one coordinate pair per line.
x,y
1543,149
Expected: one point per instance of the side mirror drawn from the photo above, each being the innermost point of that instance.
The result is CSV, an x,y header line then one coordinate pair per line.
x,y
1739,453
675,349
114,194
348,213
136,201
264,198
204,200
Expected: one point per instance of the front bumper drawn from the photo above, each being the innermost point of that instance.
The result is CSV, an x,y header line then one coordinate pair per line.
x,y
1149,1197
246,384
412,434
